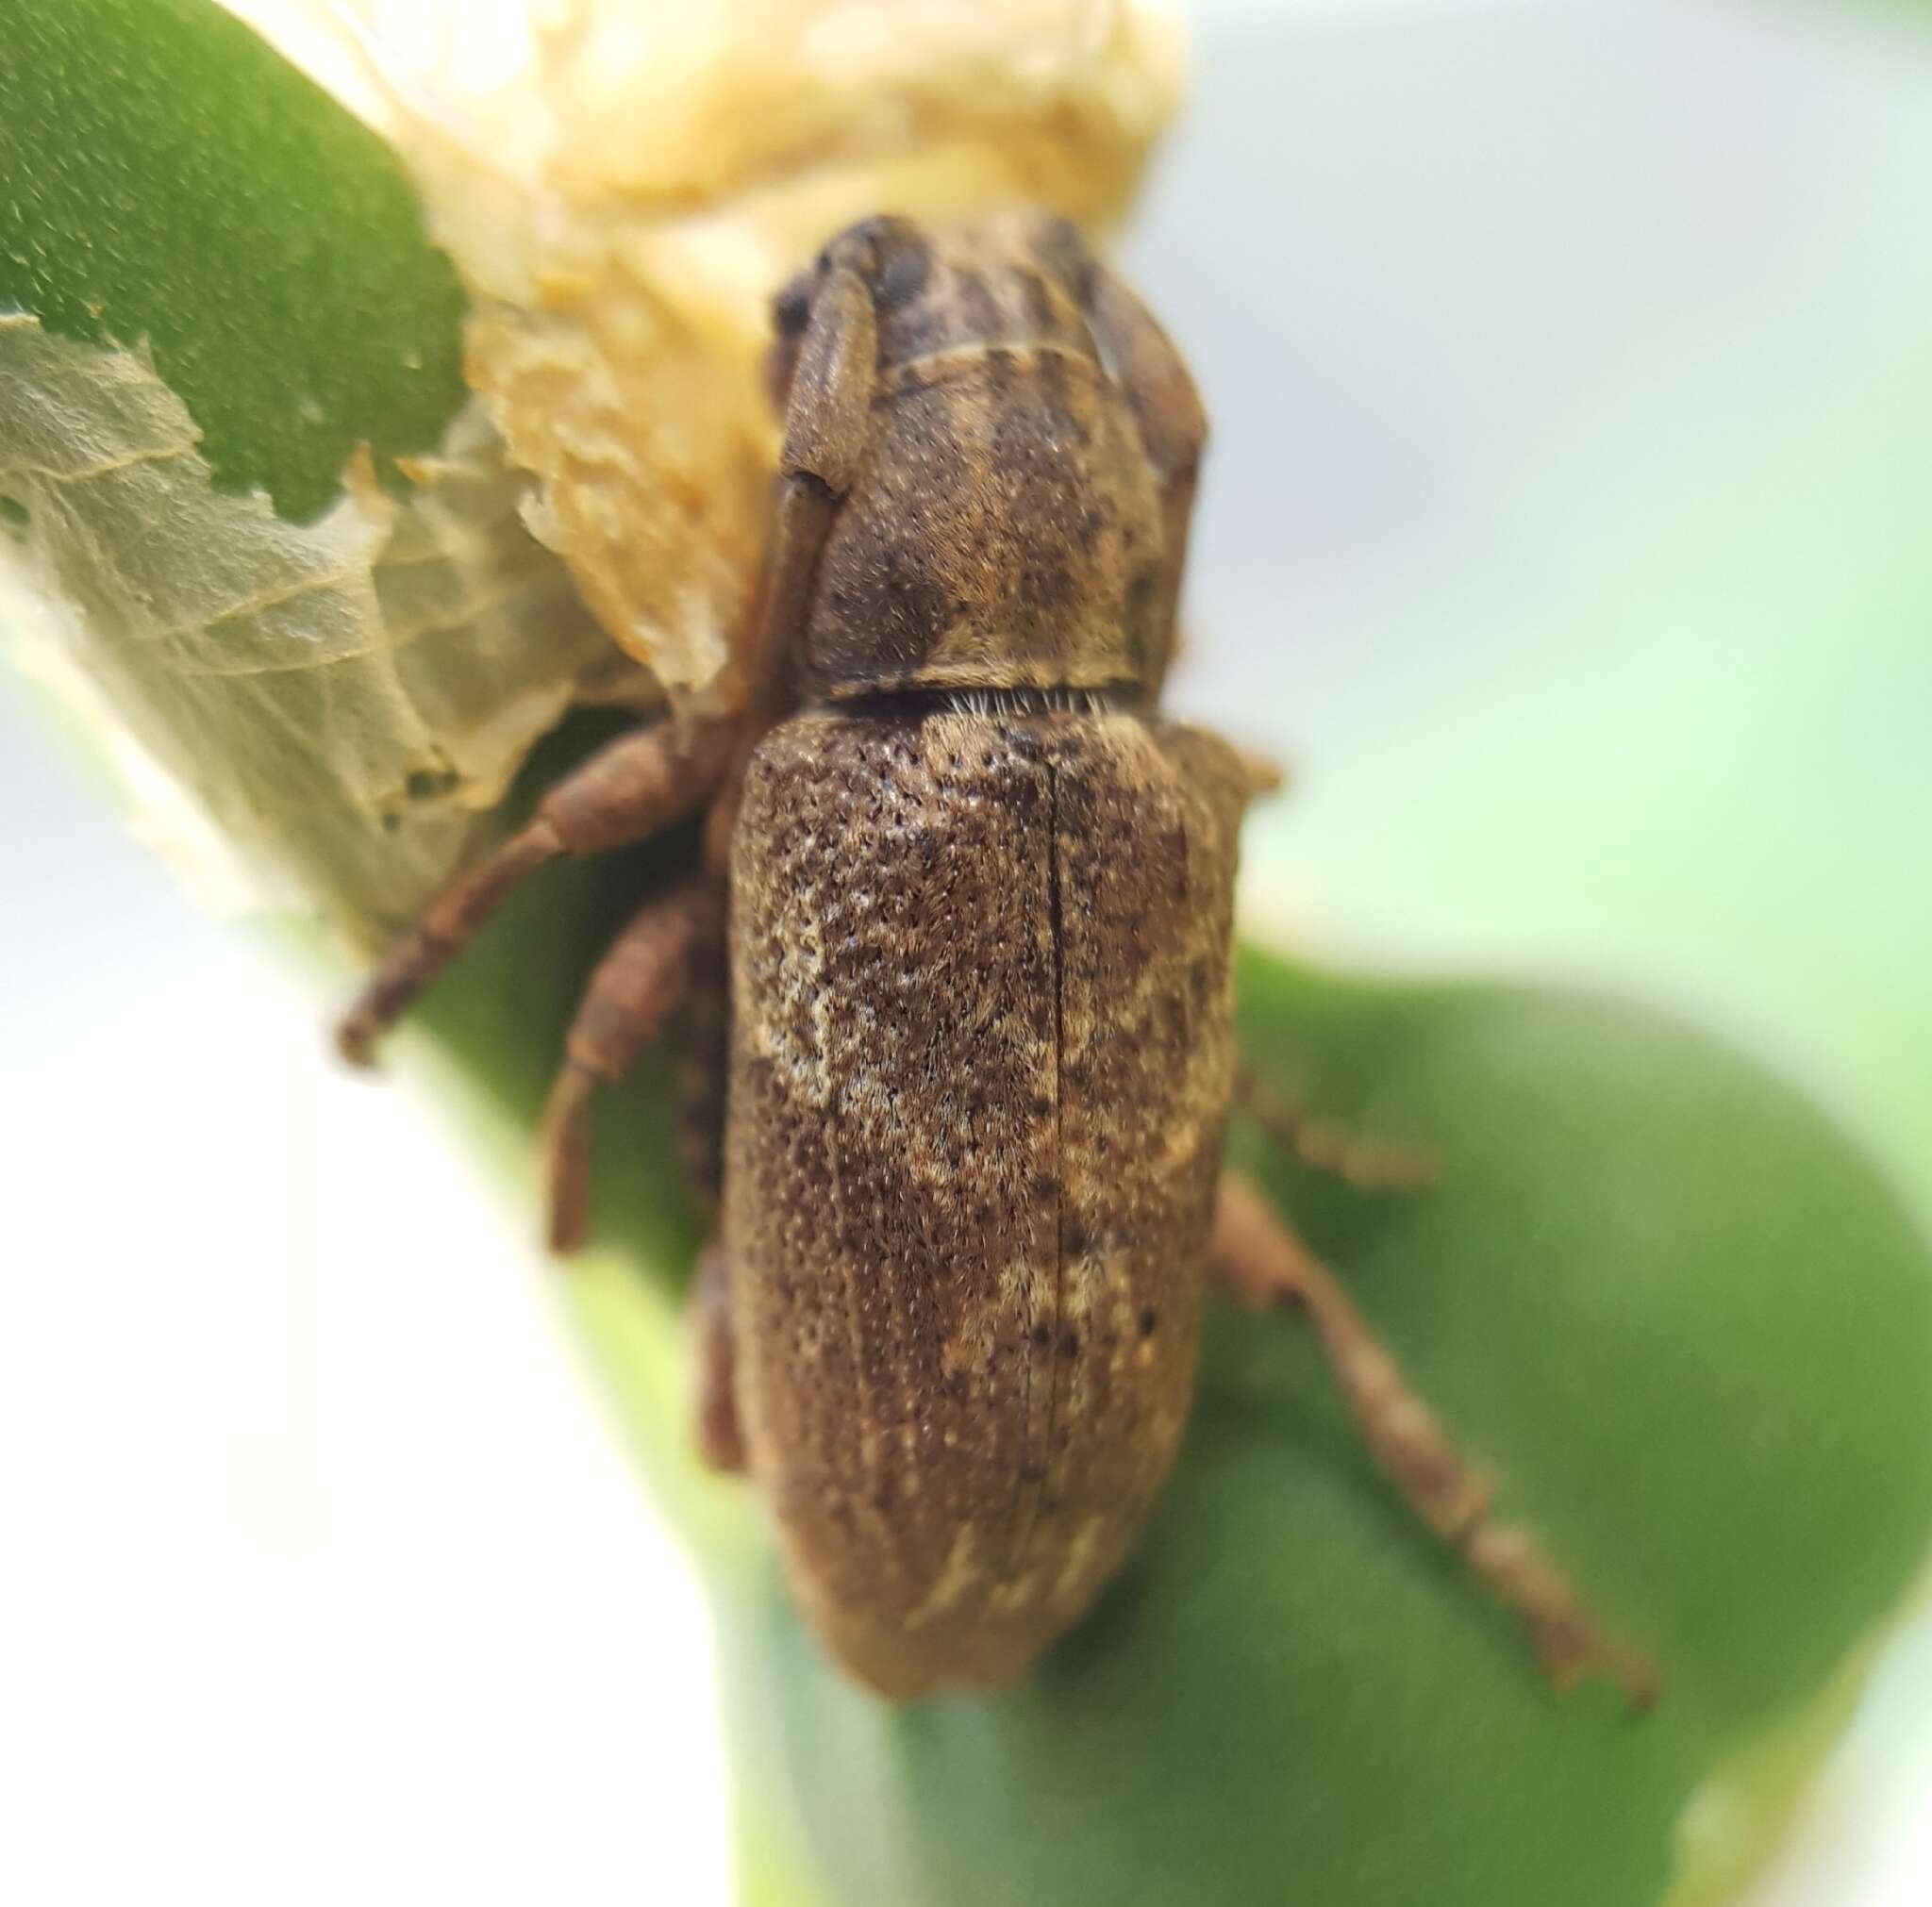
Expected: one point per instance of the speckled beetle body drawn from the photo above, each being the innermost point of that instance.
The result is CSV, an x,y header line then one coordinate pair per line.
x,y
966,898
966,1241
981,955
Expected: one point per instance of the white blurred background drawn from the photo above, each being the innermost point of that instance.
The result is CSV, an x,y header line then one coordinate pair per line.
x,y
1566,523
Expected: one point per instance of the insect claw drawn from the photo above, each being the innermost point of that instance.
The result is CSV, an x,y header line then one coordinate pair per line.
x,y
567,1157
354,1039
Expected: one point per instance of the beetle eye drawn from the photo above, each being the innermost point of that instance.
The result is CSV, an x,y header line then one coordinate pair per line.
x,y
905,268
781,361
792,308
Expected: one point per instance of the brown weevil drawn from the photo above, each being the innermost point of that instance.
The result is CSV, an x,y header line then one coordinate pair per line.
x,y
972,897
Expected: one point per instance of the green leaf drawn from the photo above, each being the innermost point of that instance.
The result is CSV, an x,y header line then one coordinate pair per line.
x,y
1678,1316
168,177
222,281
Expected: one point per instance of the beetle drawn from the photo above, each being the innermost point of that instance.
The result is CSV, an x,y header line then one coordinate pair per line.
x,y
970,898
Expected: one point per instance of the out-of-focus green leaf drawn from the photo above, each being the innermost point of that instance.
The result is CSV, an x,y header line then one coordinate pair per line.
x,y
1673,1311
167,177
219,281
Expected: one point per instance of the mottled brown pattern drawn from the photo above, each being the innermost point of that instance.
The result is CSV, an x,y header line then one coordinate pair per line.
x,y
981,1055
1005,527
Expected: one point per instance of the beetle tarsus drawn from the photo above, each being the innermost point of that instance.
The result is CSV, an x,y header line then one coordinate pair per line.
x,y
640,980
1508,1561
715,1428
1357,1159
1263,1264
566,1145
630,789
443,929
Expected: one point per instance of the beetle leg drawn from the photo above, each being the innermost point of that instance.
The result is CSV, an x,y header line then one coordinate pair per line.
x,y
705,1028
827,428
1265,775
803,517
638,784
715,1427
1358,1159
643,976
1264,1265
703,1033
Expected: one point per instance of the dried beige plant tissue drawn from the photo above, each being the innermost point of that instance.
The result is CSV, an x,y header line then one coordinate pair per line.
x,y
621,186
